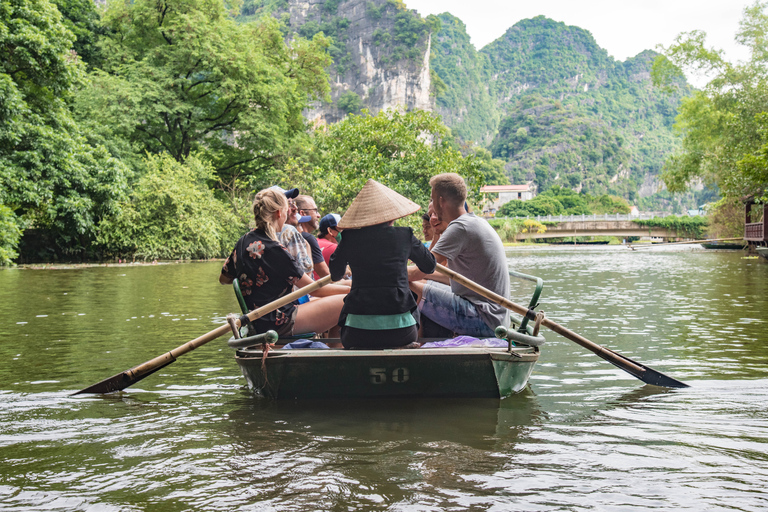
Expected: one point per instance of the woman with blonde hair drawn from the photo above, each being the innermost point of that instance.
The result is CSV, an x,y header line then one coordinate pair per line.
x,y
267,272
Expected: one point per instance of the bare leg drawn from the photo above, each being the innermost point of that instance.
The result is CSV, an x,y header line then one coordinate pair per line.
x,y
319,315
417,287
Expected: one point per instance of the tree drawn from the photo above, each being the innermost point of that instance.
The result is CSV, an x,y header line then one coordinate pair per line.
x,y
492,168
50,177
81,18
180,76
724,127
172,213
402,150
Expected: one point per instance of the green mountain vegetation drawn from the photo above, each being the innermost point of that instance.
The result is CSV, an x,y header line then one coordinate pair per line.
x,y
564,201
568,113
467,104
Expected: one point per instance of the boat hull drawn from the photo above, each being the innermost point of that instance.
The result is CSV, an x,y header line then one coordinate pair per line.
x,y
763,251
433,372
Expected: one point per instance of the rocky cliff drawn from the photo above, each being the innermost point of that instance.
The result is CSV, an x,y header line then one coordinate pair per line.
x,y
381,54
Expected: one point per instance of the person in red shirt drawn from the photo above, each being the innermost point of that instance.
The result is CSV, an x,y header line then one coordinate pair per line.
x,y
328,239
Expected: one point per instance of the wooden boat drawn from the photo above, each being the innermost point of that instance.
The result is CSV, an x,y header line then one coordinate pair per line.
x,y
723,245
413,373
458,372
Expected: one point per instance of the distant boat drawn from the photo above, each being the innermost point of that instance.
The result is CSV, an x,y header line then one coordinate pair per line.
x,y
588,242
723,245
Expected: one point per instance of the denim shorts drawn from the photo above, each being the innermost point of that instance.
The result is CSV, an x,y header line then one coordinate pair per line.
x,y
442,306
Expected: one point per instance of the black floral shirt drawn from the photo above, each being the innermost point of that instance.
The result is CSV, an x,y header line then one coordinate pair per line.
x,y
266,272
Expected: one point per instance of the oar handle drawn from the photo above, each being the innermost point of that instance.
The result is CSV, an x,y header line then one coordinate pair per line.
x,y
124,379
603,352
222,330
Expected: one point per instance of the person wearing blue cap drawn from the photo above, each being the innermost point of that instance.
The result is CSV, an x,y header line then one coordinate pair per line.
x,y
309,222
329,235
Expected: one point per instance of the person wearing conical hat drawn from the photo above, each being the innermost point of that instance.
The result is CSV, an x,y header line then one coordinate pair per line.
x,y
380,309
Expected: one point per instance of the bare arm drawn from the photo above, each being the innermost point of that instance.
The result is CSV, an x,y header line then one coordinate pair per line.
x,y
329,289
321,269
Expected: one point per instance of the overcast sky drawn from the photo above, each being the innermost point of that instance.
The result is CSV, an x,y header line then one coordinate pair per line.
x,y
623,28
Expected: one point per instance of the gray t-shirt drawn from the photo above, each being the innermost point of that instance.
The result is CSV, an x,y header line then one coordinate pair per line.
x,y
474,250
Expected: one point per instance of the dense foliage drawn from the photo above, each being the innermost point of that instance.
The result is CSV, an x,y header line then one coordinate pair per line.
x,y
559,109
467,103
171,213
182,76
725,126
50,177
402,150
564,201
687,227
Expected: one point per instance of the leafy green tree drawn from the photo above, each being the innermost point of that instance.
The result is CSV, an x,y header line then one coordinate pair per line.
x,y
564,201
181,76
172,213
539,205
492,168
402,150
50,177
350,102
724,127
9,235
81,18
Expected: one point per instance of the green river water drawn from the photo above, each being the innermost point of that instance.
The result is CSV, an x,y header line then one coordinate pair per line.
x,y
583,436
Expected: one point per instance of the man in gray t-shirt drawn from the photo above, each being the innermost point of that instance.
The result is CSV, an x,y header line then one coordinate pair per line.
x,y
471,247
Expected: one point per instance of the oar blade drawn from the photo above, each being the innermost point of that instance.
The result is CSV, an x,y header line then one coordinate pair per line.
x,y
119,382
649,376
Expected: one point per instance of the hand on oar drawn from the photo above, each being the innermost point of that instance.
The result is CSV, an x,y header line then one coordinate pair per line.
x,y
129,377
640,371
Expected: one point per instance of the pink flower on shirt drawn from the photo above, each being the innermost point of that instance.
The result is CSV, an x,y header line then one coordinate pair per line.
x,y
256,249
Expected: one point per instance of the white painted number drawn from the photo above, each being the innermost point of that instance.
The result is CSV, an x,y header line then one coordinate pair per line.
x,y
400,375
379,375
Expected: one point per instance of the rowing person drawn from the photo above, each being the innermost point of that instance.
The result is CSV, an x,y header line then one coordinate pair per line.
x,y
380,310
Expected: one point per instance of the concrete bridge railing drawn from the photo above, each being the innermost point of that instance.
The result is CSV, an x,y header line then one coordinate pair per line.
x,y
583,218
614,224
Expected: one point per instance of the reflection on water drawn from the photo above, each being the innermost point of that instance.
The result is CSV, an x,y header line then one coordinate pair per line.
x,y
584,436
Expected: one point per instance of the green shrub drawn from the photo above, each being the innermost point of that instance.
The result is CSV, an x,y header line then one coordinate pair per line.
x,y
172,214
688,227
9,236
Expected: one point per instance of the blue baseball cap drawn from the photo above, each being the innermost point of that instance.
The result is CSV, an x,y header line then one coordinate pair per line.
x,y
329,221
291,193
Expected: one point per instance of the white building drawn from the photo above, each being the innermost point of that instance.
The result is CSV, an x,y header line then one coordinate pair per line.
x,y
496,195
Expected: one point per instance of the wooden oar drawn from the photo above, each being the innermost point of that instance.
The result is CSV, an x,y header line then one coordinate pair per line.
x,y
680,243
129,377
638,370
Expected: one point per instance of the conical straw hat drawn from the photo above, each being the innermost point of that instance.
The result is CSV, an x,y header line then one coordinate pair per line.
x,y
376,204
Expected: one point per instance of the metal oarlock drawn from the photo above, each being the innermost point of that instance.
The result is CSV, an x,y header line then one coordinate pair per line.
x,y
232,321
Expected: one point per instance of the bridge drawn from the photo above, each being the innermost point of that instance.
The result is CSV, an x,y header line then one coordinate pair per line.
x,y
613,224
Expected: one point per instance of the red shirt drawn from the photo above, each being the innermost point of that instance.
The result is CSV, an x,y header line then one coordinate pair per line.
x,y
327,247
